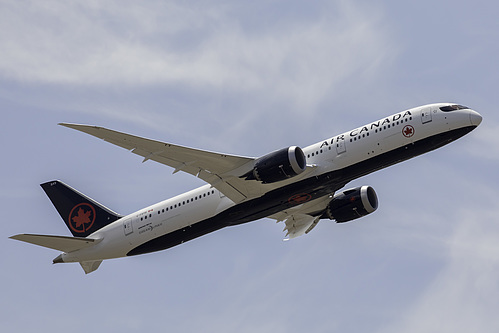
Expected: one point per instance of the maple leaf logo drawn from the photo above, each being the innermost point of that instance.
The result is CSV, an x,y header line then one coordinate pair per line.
x,y
82,217
300,198
408,131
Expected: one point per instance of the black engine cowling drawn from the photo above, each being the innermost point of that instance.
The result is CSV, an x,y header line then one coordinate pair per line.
x,y
279,165
352,204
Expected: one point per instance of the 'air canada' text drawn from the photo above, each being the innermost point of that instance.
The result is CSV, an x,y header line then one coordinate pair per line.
x,y
370,127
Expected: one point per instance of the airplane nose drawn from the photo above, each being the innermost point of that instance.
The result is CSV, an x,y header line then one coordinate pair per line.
x,y
475,118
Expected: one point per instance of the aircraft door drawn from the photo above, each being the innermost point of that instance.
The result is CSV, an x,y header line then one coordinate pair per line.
x,y
426,115
127,225
340,146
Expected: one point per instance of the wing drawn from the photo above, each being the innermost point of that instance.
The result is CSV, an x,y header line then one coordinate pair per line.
x,y
222,171
300,220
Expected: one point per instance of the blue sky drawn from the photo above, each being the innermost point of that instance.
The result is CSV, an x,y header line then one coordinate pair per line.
x,y
248,79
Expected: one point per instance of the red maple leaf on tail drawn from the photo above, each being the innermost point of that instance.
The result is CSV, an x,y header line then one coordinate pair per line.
x,y
82,217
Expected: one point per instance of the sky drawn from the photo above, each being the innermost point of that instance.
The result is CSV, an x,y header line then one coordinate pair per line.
x,y
248,78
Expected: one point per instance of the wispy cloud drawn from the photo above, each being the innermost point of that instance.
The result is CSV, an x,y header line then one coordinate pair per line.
x,y
88,43
463,296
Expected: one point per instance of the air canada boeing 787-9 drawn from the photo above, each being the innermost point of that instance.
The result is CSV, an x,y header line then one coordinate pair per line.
x,y
294,185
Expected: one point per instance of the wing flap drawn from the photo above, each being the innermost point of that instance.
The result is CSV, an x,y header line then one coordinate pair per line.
x,y
60,243
300,220
299,224
90,266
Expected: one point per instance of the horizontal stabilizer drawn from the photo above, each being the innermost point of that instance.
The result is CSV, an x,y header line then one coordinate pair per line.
x,y
60,243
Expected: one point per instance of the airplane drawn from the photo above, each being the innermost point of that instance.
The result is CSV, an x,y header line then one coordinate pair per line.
x,y
299,186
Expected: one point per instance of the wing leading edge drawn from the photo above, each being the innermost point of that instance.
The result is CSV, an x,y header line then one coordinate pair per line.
x,y
222,171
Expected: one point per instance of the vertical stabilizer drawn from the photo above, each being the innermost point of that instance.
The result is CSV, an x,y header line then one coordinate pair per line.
x,y
82,215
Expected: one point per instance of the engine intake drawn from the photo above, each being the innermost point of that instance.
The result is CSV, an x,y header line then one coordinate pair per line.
x,y
279,165
352,204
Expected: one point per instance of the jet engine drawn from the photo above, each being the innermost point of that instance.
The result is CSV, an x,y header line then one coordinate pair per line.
x,y
352,204
279,165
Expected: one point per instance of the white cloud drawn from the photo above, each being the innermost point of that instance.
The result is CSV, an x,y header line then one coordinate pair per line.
x,y
87,43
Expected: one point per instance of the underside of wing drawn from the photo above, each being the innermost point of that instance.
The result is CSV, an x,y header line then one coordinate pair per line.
x,y
222,171
299,224
90,266
300,220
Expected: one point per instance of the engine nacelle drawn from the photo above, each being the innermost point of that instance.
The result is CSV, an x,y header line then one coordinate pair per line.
x,y
279,165
352,204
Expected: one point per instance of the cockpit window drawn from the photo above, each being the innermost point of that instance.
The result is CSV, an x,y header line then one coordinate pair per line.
x,y
449,108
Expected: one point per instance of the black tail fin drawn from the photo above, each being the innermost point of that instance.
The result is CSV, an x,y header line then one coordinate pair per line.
x,y
82,215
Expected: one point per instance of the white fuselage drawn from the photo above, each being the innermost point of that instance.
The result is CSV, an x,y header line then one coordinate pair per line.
x,y
339,152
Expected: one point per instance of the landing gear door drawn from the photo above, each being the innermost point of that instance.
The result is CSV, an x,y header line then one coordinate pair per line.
x,y
426,115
